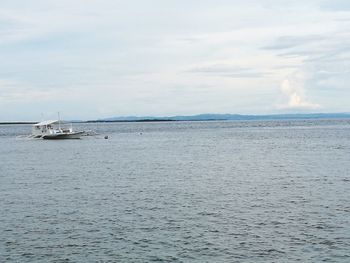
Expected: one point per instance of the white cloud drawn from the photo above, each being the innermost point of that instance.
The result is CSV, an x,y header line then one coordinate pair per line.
x,y
294,92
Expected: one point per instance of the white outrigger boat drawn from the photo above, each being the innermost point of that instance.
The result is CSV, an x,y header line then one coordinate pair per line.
x,y
49,130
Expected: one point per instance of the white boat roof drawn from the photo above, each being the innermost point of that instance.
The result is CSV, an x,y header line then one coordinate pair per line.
x,y
44,123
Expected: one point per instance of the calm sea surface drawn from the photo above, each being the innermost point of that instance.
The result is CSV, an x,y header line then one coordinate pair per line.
x,y
274,191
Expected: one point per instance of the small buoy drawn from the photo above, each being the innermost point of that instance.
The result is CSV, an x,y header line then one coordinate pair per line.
x,y
106,137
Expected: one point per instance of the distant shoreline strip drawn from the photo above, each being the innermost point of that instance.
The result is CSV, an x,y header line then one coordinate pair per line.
x,y
250,118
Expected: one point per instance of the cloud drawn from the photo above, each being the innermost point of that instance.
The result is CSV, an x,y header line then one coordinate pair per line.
x,y
323,70
12,91
170,57
286,42
293,91
336,5
230,71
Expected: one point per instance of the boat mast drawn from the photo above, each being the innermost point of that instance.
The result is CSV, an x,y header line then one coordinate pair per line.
x,y
59,121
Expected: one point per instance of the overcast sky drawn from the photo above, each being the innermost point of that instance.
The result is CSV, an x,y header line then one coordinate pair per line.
x,y
101,58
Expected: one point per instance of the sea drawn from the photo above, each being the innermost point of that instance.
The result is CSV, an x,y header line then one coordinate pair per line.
x,y
215,191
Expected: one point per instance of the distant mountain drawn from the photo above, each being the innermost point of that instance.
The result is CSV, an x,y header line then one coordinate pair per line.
x,y
214,117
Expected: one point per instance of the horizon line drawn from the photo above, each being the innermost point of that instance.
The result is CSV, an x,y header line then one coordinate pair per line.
x,y
173,117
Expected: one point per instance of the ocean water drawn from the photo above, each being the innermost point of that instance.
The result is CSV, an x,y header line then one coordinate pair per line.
x,y
274,191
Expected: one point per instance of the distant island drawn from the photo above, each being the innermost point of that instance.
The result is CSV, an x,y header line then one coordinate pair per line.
x,y
227,117
209,117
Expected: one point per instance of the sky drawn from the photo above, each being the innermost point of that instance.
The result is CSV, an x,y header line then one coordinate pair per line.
x,y
90,59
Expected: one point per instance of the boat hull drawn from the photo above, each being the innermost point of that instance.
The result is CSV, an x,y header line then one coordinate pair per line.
x,y
60,136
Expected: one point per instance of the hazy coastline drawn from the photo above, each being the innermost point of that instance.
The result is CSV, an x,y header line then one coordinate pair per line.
x,y
205,117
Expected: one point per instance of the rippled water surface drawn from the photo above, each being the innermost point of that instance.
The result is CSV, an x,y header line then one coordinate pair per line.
x,y
276,191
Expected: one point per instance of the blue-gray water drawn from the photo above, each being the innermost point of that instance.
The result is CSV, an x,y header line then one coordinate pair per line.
x,y
275,191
